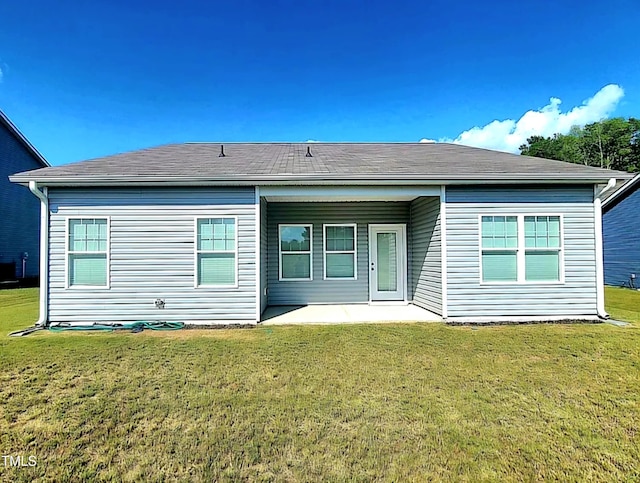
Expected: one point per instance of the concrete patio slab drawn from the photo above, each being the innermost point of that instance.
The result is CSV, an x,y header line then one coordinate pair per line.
x,y
346,314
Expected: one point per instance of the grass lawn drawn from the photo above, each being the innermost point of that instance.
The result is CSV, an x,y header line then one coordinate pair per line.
x,y
357,402
623,304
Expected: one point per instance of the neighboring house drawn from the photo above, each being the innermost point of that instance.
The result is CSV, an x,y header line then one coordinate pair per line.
x,y
215,234
19,209
621,226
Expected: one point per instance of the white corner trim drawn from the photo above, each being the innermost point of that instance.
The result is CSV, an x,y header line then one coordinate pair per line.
x,y
443,249
258,251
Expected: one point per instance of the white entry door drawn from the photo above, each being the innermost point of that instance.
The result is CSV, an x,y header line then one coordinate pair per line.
x,y
387,262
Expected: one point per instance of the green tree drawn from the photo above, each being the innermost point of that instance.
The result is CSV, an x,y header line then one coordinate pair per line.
x,y
612,143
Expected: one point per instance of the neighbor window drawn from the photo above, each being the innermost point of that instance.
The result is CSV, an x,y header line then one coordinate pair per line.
x,y
340,251
521,248
295,242
216,252
87,252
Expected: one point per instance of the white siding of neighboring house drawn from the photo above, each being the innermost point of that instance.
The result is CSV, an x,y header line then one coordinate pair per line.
x,y
468,298
152,256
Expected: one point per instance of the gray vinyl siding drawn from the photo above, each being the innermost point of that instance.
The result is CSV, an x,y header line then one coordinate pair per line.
x,y
264,255
321,291
621,241
152,255
19,208
468,298
425,260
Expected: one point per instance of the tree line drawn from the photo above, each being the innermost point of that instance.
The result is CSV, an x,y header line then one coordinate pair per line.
x,y
611,143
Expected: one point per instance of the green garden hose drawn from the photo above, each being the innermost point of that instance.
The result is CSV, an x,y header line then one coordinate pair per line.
x,y
138,326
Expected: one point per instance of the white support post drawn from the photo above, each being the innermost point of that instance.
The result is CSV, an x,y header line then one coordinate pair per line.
x,y
443,248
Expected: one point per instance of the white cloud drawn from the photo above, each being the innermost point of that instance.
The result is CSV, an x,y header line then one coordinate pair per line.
x,y
508,135
425,140
312,141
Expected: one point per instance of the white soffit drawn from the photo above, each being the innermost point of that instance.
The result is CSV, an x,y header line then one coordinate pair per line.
x,y
346,193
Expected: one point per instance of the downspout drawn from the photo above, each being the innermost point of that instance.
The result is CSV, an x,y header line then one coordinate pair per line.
x,y
597,211
44,251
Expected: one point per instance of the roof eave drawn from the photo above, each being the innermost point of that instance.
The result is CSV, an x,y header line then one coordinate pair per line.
x,y
522,178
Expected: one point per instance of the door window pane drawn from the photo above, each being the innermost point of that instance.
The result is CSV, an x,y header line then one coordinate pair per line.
x,y
387,269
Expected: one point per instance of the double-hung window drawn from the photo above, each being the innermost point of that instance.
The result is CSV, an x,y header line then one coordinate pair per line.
x,y
340,246
542,248
521,248
294,245
87,252
216,252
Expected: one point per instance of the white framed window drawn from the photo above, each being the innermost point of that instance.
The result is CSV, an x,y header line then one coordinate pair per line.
x,y
295,243
216,254
521,249
87,247
340,251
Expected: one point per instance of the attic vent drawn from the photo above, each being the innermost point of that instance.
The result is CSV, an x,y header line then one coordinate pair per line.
x,y
308,155
221,155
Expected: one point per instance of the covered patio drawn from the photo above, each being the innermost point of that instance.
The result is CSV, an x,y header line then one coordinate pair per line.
x,y
345,314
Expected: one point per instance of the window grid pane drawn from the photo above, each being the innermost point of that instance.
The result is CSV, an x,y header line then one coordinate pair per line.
x,y
340,238
499,232
88,235
542,231
216,234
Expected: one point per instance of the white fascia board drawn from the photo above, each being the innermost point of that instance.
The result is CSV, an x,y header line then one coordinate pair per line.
x,y
286,180
345,193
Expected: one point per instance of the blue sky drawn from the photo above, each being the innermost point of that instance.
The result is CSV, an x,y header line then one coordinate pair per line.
x,y
86,79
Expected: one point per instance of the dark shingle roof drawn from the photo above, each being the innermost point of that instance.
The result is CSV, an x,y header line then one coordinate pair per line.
x,y
246,162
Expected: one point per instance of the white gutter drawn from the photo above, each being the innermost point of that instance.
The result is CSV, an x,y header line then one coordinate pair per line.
x,y
313,179
44,251
597,211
